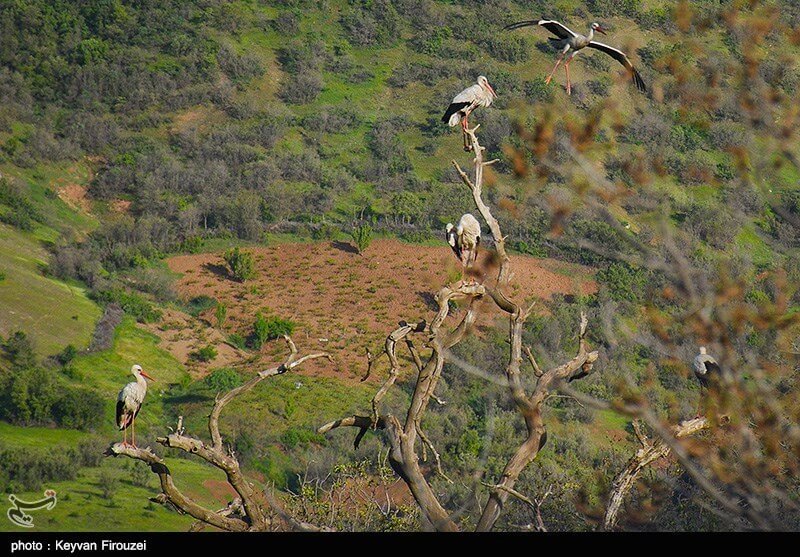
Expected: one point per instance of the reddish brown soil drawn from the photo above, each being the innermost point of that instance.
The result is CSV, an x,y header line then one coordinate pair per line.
x,y
181,335
221,491
345,303
75,196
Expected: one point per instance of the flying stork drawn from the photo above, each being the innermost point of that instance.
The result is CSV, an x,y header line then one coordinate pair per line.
x,y
479,94
464,239
707,370
129,402
567,40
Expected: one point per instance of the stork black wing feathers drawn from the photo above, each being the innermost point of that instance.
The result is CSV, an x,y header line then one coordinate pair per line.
x,y
559,30
120,408
712,368
622,58
452,109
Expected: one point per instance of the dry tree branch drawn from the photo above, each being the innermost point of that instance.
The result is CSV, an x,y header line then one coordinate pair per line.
x,y
649,452
255,503
402,437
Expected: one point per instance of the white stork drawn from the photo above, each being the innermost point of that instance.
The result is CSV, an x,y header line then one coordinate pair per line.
x,y
566,40
480,94
464,239
707,371
129,402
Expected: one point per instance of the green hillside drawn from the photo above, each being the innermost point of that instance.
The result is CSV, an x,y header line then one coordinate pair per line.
x,y
131,132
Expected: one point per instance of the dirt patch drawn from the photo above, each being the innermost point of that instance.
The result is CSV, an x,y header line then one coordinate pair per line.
x,y
121,206
220,490
345,303
181,334
75,196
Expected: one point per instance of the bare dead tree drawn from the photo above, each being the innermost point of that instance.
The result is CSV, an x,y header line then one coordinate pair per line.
x,y
439,340
254,509
649,452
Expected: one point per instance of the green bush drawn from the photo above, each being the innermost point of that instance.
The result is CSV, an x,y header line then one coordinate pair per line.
x,y
199,304
624,283
133,304
107,482
362,237
268,328
295,436
223,379
192,244
66,356
79,409
28,469
238,341
241,264
221,314
205,354
16,209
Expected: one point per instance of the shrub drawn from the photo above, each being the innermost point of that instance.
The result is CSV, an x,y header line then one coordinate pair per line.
x,y
295,436
362,237
268,328
199,304
67,355
192,244
240,68
131,303
205,354
237,340
15,208
625,283
107,482
79,409
221,314
241,264
223,379
302,88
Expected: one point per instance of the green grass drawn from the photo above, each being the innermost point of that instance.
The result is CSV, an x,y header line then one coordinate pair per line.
x,y
109,371
38,437
52,312
81,506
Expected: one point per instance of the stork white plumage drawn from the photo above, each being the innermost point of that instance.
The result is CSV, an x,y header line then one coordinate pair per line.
x,y
129,402
464,239
707,371
480,94
567,40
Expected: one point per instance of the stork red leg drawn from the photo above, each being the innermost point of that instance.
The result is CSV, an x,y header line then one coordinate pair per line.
x,y
464,125
569,85
550,77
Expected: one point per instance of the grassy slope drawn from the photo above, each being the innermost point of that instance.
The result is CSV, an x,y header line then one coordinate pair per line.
x,y
52,312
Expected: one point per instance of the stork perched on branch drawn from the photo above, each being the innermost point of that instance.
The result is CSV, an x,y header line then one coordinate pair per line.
x,y
567,40
129,402
464,239
480,94
707,371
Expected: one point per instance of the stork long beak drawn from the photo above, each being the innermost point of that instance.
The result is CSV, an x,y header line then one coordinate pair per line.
x,y
491,90
146,376
601,29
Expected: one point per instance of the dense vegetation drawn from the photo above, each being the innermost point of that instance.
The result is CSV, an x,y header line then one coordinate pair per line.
x,y
214,120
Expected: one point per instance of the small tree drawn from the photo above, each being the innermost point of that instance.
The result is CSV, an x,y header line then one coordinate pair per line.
x,y
107,482
205,354
362,237
240,264
221,314
269,328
